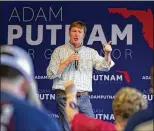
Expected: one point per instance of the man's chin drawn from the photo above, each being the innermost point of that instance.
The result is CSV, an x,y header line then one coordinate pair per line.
x,y
76,42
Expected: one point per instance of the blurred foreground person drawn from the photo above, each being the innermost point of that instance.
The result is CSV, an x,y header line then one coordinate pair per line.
x,y
143,120
19,108
127,101
17,58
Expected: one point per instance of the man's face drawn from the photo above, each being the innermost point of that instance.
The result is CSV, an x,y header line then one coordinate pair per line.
x,y
76,36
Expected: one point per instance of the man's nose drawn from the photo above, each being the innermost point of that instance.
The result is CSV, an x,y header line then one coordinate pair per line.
x,y
77,34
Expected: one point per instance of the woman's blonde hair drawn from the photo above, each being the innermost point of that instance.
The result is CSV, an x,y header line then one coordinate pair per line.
x,y
128,101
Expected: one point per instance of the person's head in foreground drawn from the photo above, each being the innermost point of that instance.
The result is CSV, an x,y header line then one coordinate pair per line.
x,y
17,74
127,101
143,120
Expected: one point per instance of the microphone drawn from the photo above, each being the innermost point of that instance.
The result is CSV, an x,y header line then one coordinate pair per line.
x,y
76,61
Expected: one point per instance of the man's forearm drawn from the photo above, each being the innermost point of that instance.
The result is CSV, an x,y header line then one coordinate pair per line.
x,y
62,66
108,58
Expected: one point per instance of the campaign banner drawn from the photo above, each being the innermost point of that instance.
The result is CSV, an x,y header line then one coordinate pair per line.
x,y
40,27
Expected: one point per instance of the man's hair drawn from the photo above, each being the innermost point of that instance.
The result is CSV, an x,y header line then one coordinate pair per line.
x,y
78,24
128,101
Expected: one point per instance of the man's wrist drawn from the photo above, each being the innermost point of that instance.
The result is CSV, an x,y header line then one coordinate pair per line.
x,y
73,105
67,62
108,57
71,97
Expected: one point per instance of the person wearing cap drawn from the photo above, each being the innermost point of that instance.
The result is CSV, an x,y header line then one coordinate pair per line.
x,y
21,61
127,101
74,61
144,119
20,111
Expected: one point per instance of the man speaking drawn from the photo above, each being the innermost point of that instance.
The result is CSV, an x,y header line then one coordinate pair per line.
x,y
74,61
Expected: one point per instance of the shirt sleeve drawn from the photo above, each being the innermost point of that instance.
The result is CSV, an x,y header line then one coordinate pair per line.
x,y
52,69
100,63
82,122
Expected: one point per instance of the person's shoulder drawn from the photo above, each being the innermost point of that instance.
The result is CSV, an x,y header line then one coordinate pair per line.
x,y
20,105
60,48
47,123
17,103
8,97
145,126
139,117
88,49
143,115
23,109
41,116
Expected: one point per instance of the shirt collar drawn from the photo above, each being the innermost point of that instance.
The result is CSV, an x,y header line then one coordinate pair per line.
x,y
72,46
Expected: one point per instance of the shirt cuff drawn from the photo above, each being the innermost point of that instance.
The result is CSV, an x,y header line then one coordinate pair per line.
x,y
54,71
112,64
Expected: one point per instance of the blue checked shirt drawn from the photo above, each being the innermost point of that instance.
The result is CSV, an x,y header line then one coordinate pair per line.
x,y
89,59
